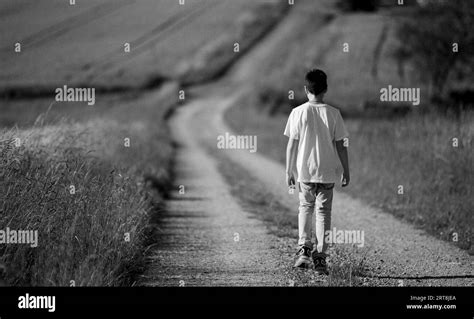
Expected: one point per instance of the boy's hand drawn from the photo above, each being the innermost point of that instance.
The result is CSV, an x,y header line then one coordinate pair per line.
x,y
345,179
290,179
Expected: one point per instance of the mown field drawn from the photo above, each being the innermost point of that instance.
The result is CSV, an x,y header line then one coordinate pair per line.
x,y
387,148
84,43
189,44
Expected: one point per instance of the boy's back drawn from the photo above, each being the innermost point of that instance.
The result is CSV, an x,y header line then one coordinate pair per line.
x,y
316,151
316,126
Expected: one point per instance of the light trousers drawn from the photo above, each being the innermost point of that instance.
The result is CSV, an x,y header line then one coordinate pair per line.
x,y
315,198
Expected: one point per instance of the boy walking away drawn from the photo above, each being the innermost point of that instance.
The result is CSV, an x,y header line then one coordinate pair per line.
x,y
316,156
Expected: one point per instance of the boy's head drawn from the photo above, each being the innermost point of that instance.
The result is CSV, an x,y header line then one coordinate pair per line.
x,y
316,82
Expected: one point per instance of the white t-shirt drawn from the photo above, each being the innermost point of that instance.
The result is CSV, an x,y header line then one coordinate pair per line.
x,y
317,127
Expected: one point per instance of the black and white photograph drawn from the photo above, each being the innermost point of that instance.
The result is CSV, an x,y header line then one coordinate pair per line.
x,y
312,152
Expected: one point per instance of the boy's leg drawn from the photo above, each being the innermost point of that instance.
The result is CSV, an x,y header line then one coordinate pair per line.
x,y
307,196
307,201
324,193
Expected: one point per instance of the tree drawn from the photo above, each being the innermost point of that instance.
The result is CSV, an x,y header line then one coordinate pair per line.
x,y
438,39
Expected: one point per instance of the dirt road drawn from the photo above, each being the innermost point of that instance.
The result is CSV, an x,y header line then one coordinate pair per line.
x,y
207,239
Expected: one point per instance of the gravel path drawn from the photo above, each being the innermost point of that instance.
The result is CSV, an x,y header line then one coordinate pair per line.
x,y
206,239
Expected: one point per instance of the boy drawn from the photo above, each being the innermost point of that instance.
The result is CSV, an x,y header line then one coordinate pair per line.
x,y
316,150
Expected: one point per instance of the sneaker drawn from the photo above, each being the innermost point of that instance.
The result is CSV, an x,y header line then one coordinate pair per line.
x,y
320,265
304,257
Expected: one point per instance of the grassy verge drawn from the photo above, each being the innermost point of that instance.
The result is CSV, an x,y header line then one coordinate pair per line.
x,y
83,189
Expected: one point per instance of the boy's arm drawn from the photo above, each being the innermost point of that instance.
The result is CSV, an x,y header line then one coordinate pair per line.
x,y
344,158
291,153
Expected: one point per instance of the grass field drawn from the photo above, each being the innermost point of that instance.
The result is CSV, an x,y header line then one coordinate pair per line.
x,y
355,75
217,56
168,42
84,43
415,151
97,229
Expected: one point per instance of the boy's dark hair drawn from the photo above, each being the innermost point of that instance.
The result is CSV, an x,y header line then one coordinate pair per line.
x,y
316,81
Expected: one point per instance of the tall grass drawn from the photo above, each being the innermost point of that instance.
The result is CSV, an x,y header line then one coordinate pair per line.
x,y
95,235
419,153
